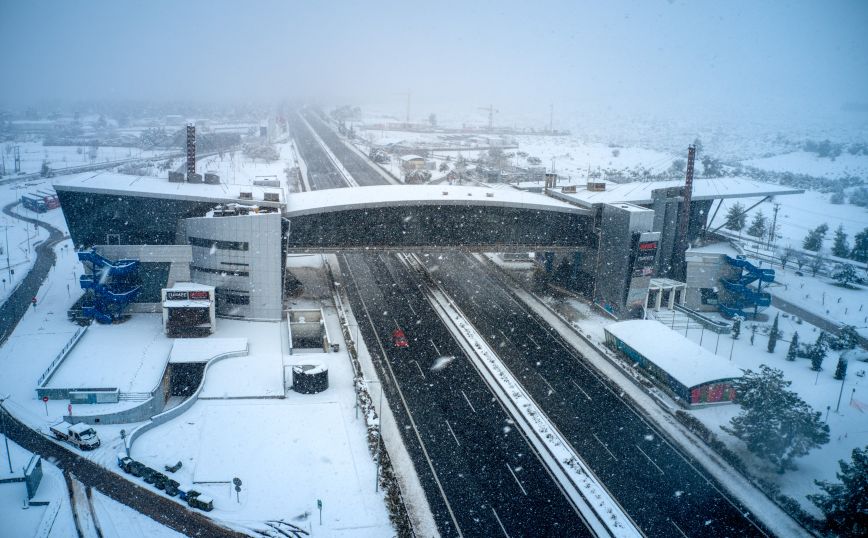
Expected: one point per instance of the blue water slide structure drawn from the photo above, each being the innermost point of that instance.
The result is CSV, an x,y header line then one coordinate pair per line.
x,y
111,286
738,293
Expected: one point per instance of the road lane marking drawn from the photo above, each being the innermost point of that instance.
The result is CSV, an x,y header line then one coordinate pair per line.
x,y
407,408
534,341
551,388
678,528
605,447
516,479
420,369
581,389
506,337
466,399
435,346
649,459
411,308
499,522
453,433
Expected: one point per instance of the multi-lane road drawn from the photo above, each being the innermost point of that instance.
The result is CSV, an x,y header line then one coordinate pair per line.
x,y
466,462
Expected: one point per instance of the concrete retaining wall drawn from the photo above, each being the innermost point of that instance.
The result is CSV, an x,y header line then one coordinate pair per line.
x,y
162,418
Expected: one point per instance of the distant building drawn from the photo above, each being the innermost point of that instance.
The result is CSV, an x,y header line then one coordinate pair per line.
x,y
412,162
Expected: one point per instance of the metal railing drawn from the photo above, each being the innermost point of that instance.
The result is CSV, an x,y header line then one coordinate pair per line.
x,y
46,375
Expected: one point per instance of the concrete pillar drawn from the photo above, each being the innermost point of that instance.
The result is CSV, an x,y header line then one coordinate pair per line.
x,y
658,299
672,299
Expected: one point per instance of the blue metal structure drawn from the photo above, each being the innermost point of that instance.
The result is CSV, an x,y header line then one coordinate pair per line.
x,y
737,292
111,285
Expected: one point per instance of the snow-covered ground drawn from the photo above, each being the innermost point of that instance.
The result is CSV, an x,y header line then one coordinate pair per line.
x,y
235,168
97,362
803,162
53,520
288,452
800,214
33,154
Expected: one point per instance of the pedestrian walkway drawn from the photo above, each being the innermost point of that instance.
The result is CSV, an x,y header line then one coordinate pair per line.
x,y
27,291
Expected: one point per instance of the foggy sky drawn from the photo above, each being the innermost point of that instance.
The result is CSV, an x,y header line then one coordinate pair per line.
x,y
653,56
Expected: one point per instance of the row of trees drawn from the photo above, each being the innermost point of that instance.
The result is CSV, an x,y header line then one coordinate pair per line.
x,y
736,220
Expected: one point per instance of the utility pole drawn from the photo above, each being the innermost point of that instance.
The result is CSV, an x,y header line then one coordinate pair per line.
x,y
773,232
551,119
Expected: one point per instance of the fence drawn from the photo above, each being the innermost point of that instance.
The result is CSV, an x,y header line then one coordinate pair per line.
x,y
46,375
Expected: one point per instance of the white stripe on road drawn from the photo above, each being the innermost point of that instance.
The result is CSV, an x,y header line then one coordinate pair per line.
x,y
679,529
551,388
649,459
466,399
516,479
420,369
453,433
499,522
534,341
581,389
605,447
435,346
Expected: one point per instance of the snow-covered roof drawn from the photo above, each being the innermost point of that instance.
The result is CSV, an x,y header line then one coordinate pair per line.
x,y
720,247
703,189
153,187
412,158
683,359
330,200
190,286
204,349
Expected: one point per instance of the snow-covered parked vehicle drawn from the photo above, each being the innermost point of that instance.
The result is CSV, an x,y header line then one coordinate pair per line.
x,y
81,435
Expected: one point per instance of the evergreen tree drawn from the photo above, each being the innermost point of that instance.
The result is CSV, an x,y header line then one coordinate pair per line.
x,y
841,369
794,347
817,352
814,240
736,328
774,423
860,247
774,334
757,225
845,504
847,338
840,247
845,275
736,218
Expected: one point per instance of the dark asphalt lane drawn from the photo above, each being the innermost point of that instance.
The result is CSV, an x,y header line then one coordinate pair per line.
x,y
467,451
322,173
664,492
357,166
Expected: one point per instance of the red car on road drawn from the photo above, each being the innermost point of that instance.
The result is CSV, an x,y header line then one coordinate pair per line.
x,y
399,339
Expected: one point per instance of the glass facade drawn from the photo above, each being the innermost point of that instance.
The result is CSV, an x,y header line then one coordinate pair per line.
x,y
100,219
435,226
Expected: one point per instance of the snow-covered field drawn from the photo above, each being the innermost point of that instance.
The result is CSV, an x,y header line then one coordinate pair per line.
x,y
33,154
800,214
803,162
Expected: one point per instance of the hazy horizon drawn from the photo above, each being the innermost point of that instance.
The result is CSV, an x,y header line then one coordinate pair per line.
x,y
655,58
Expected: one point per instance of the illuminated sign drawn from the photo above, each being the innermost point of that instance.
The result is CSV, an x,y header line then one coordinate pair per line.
x,y
200,295
176,295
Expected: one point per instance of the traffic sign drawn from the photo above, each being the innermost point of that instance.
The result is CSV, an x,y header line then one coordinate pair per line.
x,y
45,399
237,488
237,482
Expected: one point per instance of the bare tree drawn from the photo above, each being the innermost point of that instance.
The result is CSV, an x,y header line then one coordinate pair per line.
x,y
817,262
786,254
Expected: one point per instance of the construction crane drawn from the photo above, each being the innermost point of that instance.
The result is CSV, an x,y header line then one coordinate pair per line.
x,y
491,111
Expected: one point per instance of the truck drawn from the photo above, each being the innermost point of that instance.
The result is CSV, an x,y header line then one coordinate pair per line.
x,y
81,435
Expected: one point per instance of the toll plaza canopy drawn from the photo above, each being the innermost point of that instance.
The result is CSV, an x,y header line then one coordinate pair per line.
x,y
692,372
401,217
